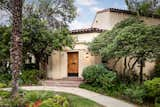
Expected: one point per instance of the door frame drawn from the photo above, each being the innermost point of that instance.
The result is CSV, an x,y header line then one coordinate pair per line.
x,y
72,74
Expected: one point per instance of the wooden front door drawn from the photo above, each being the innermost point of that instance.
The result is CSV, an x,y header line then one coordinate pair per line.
x,y
72,63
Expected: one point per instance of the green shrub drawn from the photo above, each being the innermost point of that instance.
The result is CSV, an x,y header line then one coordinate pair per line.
x,y
157,102
135,93
157,70
5,78
108,81
30,77
4,94
17,102
91,74
2,85
56,101
33,96
152,87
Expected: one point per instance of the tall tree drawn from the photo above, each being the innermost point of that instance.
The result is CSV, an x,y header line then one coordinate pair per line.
x,y
57,13
16,44
41,41
130,38
144,7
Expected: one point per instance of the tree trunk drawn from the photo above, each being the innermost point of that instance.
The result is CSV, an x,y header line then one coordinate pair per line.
x,y
124,69
16,45
141,71
37,61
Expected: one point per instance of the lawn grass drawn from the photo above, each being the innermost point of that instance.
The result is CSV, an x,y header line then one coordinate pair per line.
x,y
77,101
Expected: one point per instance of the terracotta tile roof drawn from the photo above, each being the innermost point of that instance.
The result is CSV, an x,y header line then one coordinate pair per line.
x,y
125,12
87,30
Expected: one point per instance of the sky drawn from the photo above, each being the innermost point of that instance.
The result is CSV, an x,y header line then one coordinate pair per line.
x,y
86,11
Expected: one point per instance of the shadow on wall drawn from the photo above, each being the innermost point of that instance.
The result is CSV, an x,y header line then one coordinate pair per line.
x,y
125,69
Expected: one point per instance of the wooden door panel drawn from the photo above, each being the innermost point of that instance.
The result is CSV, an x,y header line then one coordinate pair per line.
x,y
73,62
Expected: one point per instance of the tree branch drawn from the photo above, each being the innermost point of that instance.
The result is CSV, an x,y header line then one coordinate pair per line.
x,y
116,62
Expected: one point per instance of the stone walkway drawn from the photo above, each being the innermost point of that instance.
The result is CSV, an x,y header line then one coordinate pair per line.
x,y
98,98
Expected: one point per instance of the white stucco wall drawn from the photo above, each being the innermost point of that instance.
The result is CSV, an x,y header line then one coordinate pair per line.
x,y
107,20
148,68
85,37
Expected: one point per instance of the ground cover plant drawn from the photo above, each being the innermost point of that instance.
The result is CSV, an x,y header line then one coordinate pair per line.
x,y
44,99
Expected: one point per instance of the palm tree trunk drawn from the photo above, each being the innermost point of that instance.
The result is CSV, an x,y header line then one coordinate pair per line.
x,y
16,45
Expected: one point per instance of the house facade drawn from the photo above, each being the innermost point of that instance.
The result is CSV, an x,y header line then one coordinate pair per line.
x,y
71,62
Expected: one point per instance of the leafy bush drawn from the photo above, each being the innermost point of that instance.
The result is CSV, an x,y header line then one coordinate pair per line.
x,y
17,102
56,101
2,85
152,87
33,96
157,70
5,78
33,99
108,81
135,93
4,94
30,77
92,88
91,74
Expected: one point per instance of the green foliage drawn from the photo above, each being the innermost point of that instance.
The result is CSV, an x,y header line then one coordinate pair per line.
x,y
128,22
143,7
30,77
17,102
135,93
33,96
56,101
4,94
108,81
157,102
5,33
130,37
2,85
41,41
98,76
47,99
5,78
91,74
152,87
38,40
109,44
49,103
90,87
156,71
56,13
